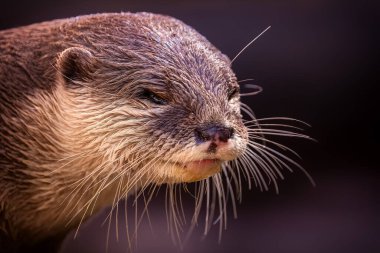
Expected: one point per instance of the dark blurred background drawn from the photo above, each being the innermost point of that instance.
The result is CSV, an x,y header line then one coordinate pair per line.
x,y
316,64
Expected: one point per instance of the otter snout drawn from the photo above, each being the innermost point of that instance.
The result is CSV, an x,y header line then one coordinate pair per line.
x,y
214,133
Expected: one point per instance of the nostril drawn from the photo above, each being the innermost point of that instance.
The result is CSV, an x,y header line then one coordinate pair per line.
x,y
226,133
202,135
214,133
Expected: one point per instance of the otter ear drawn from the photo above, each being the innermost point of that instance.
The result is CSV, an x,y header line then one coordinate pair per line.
x,y
75,65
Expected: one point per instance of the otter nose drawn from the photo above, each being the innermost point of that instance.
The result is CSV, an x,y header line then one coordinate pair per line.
x,y
214,133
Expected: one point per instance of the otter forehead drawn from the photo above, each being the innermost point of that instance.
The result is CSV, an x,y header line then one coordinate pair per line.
x,y
163,48
160,52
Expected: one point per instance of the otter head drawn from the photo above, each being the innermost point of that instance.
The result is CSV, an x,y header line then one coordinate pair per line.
x,y
156,100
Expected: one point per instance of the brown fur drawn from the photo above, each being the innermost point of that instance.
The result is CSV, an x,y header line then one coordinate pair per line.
x,y
72,118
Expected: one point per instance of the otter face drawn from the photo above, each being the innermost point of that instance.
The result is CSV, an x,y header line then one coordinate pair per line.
x,y
174,108
191,110
190,121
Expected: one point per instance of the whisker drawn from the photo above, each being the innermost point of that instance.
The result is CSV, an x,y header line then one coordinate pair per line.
x,y
246,80
258,89
250,43
284,119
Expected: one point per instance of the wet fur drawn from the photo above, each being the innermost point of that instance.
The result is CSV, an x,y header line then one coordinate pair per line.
x,y
76,135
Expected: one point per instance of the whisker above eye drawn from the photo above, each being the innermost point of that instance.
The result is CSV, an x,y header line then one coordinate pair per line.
x,y
250,43
257,89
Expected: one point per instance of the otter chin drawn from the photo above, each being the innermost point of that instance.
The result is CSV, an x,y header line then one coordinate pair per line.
x,y
193,170
96,108
201,169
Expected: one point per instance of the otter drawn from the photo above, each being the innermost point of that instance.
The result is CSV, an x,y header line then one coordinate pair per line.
x,y
95,108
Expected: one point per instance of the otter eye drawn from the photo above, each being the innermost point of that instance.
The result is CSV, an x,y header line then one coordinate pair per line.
x,y
152,97
233,92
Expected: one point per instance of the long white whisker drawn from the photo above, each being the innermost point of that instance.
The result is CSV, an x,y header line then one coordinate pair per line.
x,y
250,43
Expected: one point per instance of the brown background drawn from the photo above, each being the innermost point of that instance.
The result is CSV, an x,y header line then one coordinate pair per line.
x,y
315,64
